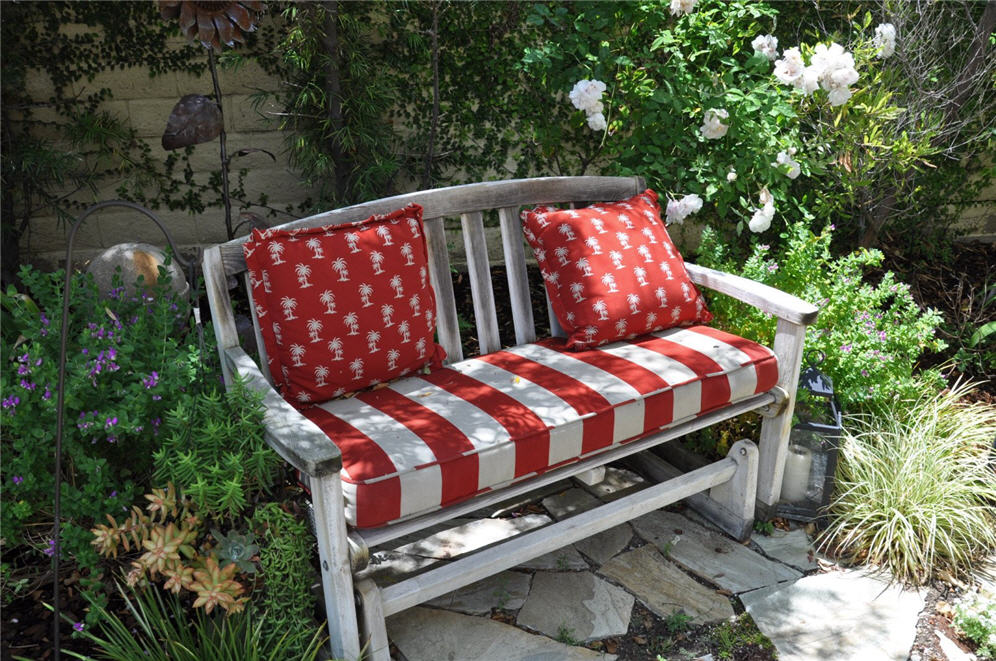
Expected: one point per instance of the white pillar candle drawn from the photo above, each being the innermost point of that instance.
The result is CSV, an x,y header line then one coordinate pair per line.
x,y
795,482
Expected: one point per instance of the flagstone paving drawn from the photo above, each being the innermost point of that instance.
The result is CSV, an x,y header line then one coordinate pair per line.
x,y
670,563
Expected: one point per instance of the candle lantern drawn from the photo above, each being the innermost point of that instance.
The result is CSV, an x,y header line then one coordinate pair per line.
x,y
811,461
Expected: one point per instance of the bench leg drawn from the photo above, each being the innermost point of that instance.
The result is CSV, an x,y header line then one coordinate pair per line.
x,y
373,629
731,505
337,576
774,439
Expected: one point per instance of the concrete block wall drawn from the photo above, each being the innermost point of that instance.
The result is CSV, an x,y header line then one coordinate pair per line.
x,y
145,103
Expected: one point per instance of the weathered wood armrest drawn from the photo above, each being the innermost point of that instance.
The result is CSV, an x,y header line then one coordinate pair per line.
x,y
295,438
763,297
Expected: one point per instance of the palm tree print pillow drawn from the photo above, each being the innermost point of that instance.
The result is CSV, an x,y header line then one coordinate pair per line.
x,y
611,270
343,307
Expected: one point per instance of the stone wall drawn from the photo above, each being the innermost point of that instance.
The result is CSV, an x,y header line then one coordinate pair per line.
x,y
145,103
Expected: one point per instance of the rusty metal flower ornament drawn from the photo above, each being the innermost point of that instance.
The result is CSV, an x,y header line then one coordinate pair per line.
x,y
213,23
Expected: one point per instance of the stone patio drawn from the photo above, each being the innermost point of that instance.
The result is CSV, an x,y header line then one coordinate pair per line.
x,y
547,609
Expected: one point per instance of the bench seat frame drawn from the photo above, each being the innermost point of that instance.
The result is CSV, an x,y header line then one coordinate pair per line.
x,y
729,490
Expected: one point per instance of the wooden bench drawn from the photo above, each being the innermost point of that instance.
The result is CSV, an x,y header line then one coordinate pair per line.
x,y
728,489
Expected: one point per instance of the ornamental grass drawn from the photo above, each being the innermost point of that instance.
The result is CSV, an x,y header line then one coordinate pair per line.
x,y
916,487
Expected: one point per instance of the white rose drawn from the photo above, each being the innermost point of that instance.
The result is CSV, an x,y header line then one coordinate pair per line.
x,y
809,81
885,39
712,128
679,7
586,94
673,212
790,67
596,122
785,158
690,204
839,96
766,45
761,220
731,176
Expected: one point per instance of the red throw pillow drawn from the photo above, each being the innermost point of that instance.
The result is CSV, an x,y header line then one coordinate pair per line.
x,y
611,270
344,307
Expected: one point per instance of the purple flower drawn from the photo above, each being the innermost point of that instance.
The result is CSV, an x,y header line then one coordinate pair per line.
x,y
11,402
114,494
151,380
47,394
50,551
846,348
78,626
17,479
864,372
772,267
882,336
28,385
110,422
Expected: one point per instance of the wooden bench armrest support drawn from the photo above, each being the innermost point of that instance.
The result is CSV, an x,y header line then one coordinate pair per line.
x,y
295,438
763,297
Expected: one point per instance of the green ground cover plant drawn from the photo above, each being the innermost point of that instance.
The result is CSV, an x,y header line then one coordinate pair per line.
x,y
975,618
916,486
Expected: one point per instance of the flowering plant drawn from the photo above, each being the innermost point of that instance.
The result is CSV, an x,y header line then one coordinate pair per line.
x,y
125,355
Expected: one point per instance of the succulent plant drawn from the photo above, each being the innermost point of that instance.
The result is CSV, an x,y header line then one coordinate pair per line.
x,y
236,548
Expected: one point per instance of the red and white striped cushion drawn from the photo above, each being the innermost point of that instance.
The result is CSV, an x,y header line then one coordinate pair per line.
x,y
432,440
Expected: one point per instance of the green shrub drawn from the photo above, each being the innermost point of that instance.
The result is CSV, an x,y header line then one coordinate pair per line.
x,y
975,617
127,358
916,486
870,334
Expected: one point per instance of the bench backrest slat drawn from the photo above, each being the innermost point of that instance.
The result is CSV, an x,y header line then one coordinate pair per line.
x,y
518,276
447,325
479,271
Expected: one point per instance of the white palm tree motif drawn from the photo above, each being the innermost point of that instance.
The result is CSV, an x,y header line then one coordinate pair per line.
x,y
420,347
253,280
621,327
276,249
623,240
686,291
609,281
415,303
386,312
297,352
303,396
675,313
320,373
328,300
666,269
540,255
266,281
541,219
351,321
650,216
669,250
641,275
553,278
260,311
601,310
365,292
649,233
335,346
617,259
356,366
592,243
598,225
352,239
577,290
651,318
288,304
570,318
342,268
385,234
413,227
373,337
645,253
661,295
422,274
561,254
399,290
568,233
589,333
624,219
634,303
392,359
314,328
584,267
429,321
315,246
276,333
376,259
303,271
408,254
699,307
404,331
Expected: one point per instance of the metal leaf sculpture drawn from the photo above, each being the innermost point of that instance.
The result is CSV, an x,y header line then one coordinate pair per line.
x,y
195,119
213,23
